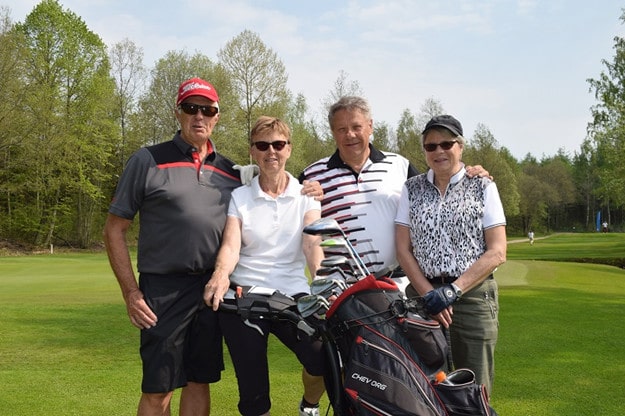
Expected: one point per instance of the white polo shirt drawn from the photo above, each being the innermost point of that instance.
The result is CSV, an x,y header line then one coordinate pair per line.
x,y
271,237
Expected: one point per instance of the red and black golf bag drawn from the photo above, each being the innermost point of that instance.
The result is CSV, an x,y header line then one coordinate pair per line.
x,y
390,356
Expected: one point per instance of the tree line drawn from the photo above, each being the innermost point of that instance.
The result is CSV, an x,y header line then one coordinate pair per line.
x,y
73,109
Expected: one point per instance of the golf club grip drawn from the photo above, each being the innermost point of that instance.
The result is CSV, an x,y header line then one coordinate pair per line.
x,y
290,315
227,307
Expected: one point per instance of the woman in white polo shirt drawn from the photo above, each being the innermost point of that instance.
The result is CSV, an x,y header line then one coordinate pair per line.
x,y
263,245
450,236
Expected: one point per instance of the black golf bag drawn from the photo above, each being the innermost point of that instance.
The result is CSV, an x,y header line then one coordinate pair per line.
x,y
390,357
383,357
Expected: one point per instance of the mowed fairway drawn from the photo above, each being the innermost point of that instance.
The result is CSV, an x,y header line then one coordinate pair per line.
x,y
560,349
67,348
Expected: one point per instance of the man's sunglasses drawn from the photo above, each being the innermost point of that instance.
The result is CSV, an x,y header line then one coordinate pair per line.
x,y
430,147
277,145
192,109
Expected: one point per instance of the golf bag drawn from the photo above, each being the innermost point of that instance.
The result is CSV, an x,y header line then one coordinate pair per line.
x,y
390,356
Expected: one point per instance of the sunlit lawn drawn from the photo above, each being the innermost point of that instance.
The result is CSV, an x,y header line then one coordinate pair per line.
x,y
571,246
67,348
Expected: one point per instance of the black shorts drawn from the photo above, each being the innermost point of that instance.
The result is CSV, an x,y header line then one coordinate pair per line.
x,y
186,342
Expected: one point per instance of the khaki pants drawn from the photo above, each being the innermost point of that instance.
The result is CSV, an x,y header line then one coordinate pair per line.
x,y
474,330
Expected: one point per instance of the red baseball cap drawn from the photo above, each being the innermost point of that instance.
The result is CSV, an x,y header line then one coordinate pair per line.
x,y
196,86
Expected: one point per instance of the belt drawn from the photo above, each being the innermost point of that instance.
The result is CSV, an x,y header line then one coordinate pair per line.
x,y
397,272
442,280
198,272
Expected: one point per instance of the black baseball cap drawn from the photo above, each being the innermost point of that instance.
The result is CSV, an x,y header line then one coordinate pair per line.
x,y
447,121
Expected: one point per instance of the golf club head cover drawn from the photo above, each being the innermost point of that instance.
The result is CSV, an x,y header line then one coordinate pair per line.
x,y
438,299
247,172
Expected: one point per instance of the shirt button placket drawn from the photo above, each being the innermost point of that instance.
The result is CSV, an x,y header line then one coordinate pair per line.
x,y
276,215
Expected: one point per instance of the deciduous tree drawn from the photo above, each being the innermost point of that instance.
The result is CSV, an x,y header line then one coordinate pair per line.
x,y
130,75
409,140
67,135
483,149
11,125
257,75
607,129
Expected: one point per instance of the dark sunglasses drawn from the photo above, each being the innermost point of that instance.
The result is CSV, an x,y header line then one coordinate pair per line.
x,y
430,147
277,145
192,109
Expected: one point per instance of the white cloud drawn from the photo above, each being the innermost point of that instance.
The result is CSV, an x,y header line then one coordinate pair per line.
x,y
520,68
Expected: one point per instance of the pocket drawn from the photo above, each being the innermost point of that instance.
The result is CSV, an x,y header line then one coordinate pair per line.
x,y
426,338
462,396
380,375
490,299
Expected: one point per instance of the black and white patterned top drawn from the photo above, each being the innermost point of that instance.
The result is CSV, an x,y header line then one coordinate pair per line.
x,y
447,230
364,203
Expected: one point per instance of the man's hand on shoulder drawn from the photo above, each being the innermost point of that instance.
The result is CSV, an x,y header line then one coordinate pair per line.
x,y
313,188
247,173
477,170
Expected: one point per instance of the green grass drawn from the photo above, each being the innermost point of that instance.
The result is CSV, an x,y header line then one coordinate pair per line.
x,y
560,349
577,247
67,348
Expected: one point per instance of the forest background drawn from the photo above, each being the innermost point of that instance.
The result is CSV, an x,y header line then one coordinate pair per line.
x,y
73,109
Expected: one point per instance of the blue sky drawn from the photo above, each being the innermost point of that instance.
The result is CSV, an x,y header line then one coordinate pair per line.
x,y
517,67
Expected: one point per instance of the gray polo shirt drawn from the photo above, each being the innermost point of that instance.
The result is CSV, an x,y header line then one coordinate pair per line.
x,y
182,208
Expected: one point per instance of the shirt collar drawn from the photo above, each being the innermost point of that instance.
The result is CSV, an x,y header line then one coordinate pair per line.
x,y
292,188
186,148
454,179
336,162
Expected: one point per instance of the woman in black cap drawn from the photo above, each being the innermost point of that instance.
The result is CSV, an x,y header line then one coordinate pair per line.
x,y
450,237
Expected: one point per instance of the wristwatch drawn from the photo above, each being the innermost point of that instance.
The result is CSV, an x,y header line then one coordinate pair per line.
x,y
457,290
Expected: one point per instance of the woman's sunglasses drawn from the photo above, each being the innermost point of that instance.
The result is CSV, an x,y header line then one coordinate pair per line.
x,y
277,145
192,109
430,147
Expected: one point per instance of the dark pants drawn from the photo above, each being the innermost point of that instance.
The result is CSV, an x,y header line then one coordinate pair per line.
x,y
248,350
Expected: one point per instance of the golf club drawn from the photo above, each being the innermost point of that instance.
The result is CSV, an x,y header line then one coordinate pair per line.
x,y
331,271
327,287
340,260
310,304
345,244
333,260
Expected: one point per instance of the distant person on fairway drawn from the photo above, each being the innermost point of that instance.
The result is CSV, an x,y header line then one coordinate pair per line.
x,y
530,236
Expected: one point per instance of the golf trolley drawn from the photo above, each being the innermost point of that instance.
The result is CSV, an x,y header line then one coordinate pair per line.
x,y
384,355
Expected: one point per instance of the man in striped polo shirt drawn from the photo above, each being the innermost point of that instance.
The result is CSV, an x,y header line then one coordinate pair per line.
x,y
362,186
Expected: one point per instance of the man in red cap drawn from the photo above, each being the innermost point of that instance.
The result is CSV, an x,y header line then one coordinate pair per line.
x,y
181,188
